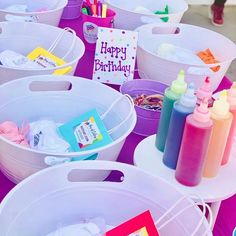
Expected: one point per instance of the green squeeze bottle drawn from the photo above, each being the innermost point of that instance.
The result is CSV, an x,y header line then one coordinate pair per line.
x,y
172,94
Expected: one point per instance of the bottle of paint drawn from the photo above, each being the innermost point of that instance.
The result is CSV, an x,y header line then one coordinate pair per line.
x,y
222,120
205,91
172,94
193,150
182,108
232,102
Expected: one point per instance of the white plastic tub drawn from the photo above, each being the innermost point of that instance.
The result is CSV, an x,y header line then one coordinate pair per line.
x,y
51,16
40,97
192,38
25,37
127,18
66,194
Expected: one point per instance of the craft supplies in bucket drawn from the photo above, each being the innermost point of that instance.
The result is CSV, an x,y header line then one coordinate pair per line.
x,y
66,195
163,50
132,14
43,11
61,99
148,108
72,9
52,50
92,22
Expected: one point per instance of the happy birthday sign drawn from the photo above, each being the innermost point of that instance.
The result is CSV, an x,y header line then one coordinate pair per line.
x,y
115,55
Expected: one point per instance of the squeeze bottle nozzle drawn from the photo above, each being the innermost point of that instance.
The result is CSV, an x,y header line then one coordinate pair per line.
x,y
205,91
202,113
179,86
232,95
221,106
189,99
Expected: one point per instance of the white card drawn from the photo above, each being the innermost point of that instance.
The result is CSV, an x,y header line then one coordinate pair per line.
x,y
115,55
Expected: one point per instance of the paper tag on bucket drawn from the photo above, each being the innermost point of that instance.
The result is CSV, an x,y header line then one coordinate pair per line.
x,y
46,59
115,55
90,31
141,225
85,132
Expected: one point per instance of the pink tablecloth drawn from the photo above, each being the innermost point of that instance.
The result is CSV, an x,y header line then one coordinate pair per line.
x,y
227,216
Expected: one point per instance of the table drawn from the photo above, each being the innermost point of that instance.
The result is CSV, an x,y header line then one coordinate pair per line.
x,y
84,69
211,190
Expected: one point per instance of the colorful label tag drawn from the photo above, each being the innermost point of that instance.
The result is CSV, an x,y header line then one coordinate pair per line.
x,y
86,132
141,225
45,59
115,55
90,31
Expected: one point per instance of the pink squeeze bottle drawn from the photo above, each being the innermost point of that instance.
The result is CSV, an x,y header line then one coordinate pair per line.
x,y
205,91
196,138
232,102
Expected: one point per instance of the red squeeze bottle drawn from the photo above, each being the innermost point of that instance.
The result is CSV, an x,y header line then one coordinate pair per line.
x,y
196,138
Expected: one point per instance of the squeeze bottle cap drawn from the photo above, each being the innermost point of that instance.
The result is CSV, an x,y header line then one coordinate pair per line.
x,y
179,86
205,91
232,95
189,99
221,106
202,113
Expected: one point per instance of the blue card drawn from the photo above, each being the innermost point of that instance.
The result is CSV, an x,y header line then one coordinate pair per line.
x,y
86,132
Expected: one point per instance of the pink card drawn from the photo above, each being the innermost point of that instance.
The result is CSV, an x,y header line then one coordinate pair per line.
x,y
141,225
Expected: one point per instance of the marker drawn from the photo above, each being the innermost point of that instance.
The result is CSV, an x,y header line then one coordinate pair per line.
x,y
88,2
104,10
95,2
89,10
85,11
99,9
94,9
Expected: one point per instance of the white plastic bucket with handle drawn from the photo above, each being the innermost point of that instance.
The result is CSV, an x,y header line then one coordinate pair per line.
x,y
67,194
60,98
126,10
50,11
192,38
25,37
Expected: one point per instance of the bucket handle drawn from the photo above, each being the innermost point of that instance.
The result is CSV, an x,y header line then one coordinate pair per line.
x,y
199,202
63,172
59,38
131,110
45,84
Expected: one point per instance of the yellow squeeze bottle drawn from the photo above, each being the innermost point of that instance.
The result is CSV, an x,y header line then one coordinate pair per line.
x,y
222,119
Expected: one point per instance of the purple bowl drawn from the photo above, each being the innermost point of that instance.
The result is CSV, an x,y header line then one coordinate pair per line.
x,y
147,120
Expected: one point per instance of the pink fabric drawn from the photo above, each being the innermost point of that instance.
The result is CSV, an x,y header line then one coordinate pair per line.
x,y
226,220
10,131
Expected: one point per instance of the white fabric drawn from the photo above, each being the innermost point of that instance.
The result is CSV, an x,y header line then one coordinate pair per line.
x,y
44,136
13,59
142,10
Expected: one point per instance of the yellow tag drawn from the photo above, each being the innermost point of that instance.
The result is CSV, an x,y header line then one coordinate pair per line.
x,y
47,59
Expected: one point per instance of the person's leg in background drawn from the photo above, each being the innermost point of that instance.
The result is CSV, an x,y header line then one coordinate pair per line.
x,y
217,12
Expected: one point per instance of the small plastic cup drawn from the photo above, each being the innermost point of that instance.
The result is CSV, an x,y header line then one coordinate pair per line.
x,y
90,27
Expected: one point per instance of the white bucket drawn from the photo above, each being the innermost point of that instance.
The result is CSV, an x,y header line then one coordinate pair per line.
x,y
127,18
189,37
66,194
25,37
51,16
38,97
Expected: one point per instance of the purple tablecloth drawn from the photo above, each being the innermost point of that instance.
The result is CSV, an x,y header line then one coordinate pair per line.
x,y
227,216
